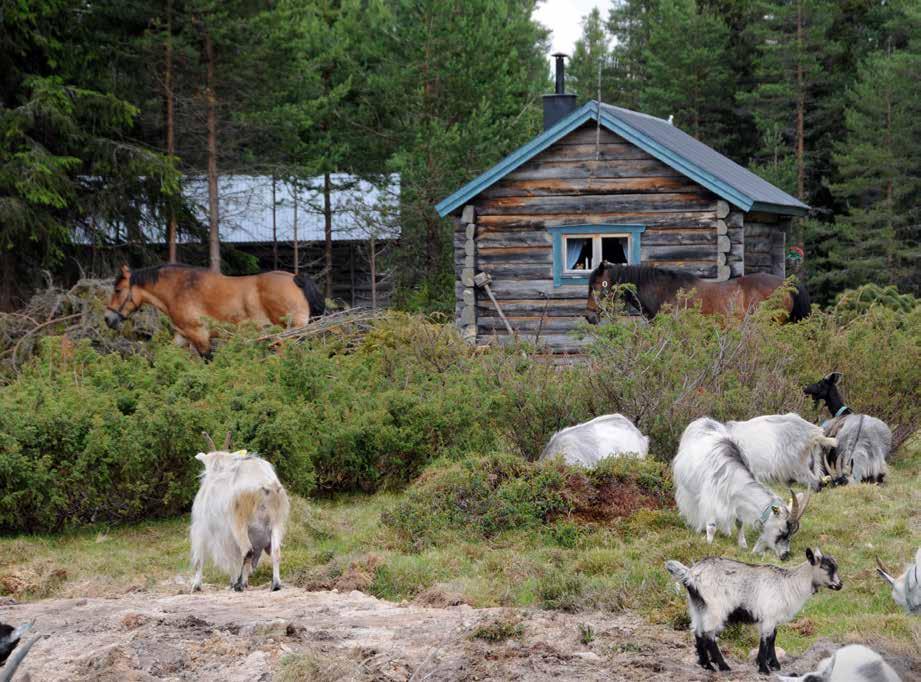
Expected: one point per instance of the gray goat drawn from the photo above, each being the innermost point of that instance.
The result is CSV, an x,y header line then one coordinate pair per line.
x,y
863,441
723,591
906,589
853,663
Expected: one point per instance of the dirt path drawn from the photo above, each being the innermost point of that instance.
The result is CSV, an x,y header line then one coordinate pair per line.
x,y
222,635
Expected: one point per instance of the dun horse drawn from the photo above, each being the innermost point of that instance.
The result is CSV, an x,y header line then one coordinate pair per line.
x,y
657,286
188,295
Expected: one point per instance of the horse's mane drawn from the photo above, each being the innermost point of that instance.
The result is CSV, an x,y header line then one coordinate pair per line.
x,y
643,274
151,275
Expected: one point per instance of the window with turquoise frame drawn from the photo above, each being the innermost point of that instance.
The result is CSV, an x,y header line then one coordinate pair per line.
x,y
578,249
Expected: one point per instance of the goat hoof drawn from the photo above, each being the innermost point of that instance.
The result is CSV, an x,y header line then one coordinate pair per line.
x,y
724,667
237,587
196,588
276,587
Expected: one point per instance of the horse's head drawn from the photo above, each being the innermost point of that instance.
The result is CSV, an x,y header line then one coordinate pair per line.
x,y
599,284
125,300
614,278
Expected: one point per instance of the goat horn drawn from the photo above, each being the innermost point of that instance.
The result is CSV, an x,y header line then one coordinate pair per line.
x,y
794,505
227,440
828,467
210,441
882,569
806,499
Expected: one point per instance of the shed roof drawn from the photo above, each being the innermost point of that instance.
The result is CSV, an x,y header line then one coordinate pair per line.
x,y
672,146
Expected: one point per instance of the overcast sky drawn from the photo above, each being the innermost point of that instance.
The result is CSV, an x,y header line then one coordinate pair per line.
x,y
564,18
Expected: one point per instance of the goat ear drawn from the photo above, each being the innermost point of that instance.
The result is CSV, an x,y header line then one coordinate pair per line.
x,y
201,456
833,377
810,556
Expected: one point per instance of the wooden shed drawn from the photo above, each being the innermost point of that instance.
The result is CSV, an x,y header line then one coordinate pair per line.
x,y
603,183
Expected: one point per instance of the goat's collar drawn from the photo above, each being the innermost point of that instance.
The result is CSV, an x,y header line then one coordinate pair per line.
x,y
766,513
844,409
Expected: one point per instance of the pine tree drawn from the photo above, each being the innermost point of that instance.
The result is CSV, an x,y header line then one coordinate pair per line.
x,y
880,168
794,43
629,24
687,74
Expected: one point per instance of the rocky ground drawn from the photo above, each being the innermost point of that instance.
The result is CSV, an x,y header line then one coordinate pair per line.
x,y
294,634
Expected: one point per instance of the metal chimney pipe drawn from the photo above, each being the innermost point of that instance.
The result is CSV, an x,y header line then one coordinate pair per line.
x,y
560,73
558,105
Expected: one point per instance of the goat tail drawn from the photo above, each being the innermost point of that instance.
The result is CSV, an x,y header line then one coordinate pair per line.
x,y
801,307
679,572
312,293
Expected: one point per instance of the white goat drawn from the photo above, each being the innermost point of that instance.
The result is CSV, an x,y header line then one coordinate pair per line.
x,y
864,442
715,489
241,510
853,663
782,448
610,435
723,591
906,589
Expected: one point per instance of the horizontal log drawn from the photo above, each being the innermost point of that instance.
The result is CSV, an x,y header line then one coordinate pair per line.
x,y
701,252
537,288
587,134
606,151
664,219
514,255
758,259
595,204
531,324
535,170
514,238
583,186
557,343
518,270
534,307
657,237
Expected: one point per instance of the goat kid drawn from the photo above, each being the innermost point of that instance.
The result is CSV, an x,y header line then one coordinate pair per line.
x,y
610,435
864,442
906,589
853,663
715,489
723,591
782,448
240,511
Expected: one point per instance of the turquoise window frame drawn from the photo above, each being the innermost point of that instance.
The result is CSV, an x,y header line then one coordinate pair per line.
x,y
558,232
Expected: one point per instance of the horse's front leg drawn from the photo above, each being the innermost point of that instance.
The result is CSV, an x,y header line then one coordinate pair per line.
x,y
196,334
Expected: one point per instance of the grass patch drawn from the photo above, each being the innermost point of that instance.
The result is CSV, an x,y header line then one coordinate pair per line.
x,y
499,630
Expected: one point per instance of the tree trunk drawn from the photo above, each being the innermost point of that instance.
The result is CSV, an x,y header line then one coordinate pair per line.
x,y
297,258
274,229
214,244
800,106
328,233
373,273
170,129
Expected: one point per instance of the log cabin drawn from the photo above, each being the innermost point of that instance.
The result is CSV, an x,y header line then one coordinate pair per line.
x,y
601,183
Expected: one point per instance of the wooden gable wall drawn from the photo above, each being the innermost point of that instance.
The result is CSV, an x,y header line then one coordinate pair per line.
x,y
687,227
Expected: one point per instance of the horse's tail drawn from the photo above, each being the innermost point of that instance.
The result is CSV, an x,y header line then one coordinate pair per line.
x,y
315,299
802,304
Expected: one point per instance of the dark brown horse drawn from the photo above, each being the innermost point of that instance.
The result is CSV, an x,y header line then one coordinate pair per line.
x,y
188,295
657,286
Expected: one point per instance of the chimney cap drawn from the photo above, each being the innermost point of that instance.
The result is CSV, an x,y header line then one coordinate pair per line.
x,y
559,54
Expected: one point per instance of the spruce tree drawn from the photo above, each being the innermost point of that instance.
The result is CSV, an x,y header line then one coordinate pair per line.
x,y
687,72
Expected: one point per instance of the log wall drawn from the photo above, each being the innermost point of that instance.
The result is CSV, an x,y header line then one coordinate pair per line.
x,y
765,243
